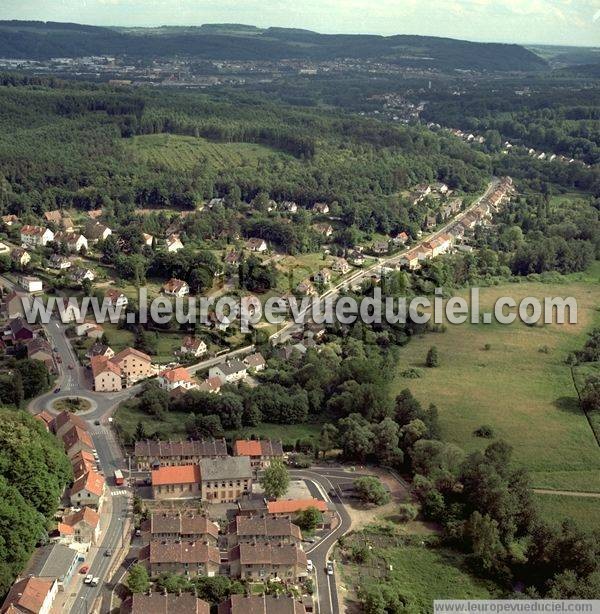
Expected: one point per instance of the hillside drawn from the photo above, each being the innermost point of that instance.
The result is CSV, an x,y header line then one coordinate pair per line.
x,y
39,40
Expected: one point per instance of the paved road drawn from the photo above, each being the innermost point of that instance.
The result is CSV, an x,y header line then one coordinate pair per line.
x,y
362,274
326,589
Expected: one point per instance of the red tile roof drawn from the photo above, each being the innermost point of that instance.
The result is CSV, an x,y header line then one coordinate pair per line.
x,y
186,474
86,514
292,506
91,481
177,375
28,595
77,434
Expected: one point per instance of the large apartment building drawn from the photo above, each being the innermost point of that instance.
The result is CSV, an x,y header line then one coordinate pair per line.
x,y
153,454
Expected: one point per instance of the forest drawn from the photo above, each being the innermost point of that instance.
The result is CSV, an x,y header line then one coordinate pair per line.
x,y
34,472
39,40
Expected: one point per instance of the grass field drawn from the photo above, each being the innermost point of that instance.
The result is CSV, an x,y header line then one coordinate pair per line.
x,y
181,153
526,395
421,574
585,511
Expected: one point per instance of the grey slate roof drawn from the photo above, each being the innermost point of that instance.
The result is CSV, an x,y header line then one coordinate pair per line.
x,y
230,468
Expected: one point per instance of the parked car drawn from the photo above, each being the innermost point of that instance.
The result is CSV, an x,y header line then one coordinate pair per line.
x,y
329,568
309,566
84,569
88,579
56,390
97,422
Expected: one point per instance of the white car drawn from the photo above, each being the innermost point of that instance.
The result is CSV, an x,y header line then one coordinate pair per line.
x,y
329,568
88,579
95,582
309,566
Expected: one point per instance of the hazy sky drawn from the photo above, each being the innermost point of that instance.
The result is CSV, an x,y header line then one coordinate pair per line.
x,y
568,22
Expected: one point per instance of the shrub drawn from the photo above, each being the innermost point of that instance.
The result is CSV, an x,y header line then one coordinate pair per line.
x,y
485,431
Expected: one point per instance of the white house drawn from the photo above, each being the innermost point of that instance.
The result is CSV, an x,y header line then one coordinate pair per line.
x,y
31,284
116,298
192,345
36,236
229,372
257,245
174,243
176,378
73,240
176,287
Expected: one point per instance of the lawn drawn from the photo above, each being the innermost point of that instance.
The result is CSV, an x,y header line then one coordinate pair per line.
x,y
184,153
585,511
420,573
520,386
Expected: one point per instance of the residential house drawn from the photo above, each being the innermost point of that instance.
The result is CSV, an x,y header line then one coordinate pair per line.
x,y
187,558
411,259
173,243
106,375
20,256
229,372
257,245
99,349
148,239
74,241
356,258
401,239
4,249
80,274
323,277
287,562
82,463
31,284
321,208
261,604
116,298
93,331
324,229
152,454
183,525
55,217
36,236
20,330
255,362
380,247
40,349
30,595
65,421
225,480
177,482
212,385
84,524
9,220
442,188
340,265
289,206
193,346
261,452
176,378
77,439
88,490
233,258
176,287
59,262
46,419
54,562
262,529
438,245
95,231
215,202
134,365
165,603
12,304
95,214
